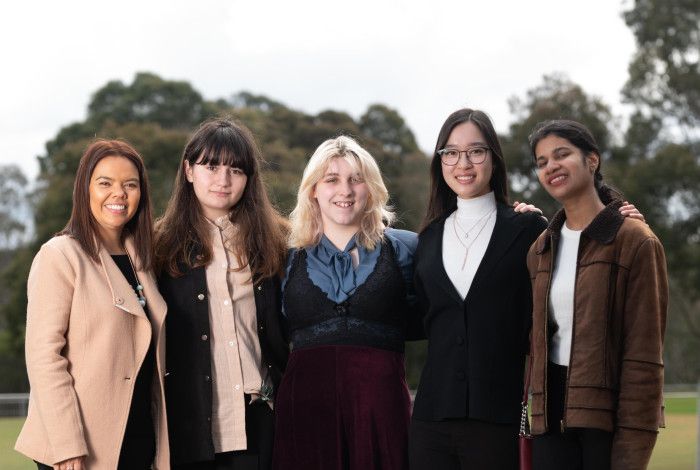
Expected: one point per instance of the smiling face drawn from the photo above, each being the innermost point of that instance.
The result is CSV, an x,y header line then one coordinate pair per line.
x,y
563,170
218,187
115,192
465,179
342,196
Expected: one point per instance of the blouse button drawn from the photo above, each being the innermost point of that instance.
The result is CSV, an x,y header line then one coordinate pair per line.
x,y
200,296
119,301
205,337
259,287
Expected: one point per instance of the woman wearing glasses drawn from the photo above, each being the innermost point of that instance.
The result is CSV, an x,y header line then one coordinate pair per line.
x,y
600,297
474,290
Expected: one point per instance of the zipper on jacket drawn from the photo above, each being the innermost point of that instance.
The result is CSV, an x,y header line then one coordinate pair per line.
x,y
546,333
571,350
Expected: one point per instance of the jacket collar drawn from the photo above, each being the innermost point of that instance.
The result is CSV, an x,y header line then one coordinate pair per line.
x,y
603,228
123,296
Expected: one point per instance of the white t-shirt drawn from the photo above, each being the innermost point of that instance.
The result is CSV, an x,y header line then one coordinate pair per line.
x,y
561,295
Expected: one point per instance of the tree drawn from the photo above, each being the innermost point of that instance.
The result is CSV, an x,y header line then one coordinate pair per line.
x,y
664,75
663,149
157,116
13,203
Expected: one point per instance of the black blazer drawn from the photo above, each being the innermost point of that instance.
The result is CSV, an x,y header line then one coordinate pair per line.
x,y
188,388
477,345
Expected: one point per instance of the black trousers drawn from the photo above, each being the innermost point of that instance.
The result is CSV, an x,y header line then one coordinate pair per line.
x,y
259,429
462,444
575,448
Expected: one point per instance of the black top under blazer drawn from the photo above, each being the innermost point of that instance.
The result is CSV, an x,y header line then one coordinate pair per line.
x,y
188,387
477,345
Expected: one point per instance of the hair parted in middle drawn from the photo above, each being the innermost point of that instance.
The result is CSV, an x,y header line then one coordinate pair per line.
x,y
182,239
582,138
82,225
443,200
306,223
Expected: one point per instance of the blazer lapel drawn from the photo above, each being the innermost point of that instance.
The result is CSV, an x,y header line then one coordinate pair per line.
x,y
504,234
437,266
123,295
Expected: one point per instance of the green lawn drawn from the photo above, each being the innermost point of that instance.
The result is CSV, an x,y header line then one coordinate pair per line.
x,y
675,448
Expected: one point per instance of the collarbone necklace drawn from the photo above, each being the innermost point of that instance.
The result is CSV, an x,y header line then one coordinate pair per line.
x,y
484,219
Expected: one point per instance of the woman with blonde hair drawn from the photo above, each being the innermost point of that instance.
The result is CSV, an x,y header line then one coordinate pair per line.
x,y
95,347
343,401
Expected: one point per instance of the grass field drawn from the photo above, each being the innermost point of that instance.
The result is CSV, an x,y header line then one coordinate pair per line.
x,y
675,448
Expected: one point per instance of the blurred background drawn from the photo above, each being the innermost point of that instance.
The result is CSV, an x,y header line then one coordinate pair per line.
x,y
385,72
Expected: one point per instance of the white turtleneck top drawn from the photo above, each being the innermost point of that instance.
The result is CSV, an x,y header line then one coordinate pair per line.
x,y
477,216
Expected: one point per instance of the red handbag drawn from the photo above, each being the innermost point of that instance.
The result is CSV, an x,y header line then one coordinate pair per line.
x,y
524,436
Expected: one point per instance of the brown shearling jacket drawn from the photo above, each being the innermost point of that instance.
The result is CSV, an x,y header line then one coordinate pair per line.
x,y
615,376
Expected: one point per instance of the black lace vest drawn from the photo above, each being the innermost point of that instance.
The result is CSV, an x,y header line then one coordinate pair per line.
x,y
374,315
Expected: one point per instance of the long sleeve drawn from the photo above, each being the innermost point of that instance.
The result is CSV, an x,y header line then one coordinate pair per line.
x,y
641,381
50,290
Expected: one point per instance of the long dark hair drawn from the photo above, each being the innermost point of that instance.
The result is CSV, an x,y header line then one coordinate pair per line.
x,y
581,138
82,225
443,200
182,238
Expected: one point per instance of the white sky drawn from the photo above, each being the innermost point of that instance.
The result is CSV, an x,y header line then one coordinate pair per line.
x,y
424,59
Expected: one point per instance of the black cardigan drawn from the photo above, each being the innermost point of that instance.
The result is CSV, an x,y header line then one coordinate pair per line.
x,y
476,346
188,387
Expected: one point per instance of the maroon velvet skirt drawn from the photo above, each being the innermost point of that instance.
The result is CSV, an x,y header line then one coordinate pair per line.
x,y
342,408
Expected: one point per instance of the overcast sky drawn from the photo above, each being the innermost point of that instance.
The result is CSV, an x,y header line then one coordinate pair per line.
x,y
424,59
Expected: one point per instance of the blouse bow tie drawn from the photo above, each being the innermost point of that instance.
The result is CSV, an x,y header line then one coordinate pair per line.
x,y
344,278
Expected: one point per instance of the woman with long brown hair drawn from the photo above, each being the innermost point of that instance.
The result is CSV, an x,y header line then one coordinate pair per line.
x,y
94,346
220,250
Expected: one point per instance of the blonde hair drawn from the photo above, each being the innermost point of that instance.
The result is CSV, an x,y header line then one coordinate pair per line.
x,y
307,226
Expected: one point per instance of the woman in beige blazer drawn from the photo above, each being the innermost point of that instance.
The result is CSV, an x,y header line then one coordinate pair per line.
x,y
94,343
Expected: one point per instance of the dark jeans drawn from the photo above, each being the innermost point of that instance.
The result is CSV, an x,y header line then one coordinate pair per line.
x,y
259,429
462,444
575,448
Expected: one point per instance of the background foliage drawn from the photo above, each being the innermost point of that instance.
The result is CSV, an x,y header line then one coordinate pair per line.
x,y
654,160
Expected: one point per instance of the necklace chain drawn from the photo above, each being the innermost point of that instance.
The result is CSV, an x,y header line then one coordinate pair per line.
x,y
139,287
485,218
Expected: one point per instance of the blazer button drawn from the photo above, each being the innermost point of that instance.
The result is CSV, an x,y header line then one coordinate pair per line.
x,y
341,309
205,337
200,296
460,375
460,340
207,378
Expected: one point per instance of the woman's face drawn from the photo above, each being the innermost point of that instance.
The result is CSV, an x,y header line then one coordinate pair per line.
x,y
341,195
115,192
562,169
466,179
218,188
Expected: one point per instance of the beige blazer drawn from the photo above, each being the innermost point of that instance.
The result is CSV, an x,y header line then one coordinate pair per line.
x,y
87,336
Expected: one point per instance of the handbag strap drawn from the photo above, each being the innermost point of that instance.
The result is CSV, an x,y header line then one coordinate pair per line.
x,y
524,424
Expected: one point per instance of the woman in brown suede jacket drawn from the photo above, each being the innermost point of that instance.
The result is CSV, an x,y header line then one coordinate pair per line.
x,y
600,295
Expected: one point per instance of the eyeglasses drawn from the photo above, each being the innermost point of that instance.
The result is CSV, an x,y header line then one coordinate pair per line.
x,y
475,155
